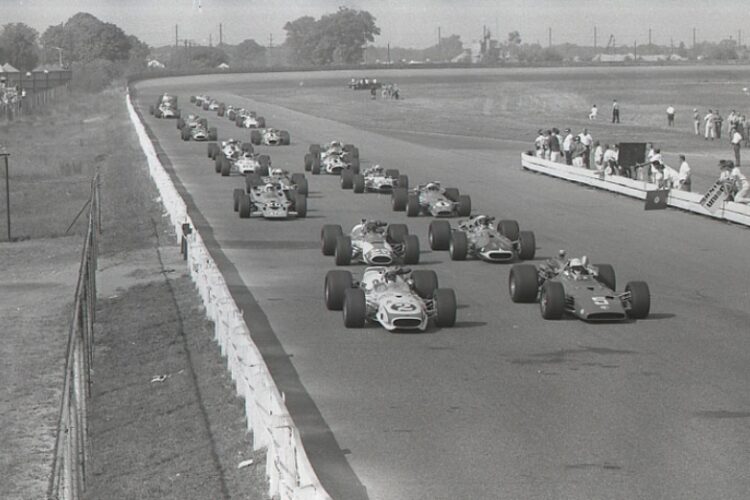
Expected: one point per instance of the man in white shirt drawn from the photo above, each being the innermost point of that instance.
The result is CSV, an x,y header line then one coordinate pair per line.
x,y
567,143
731,174
670,116
587,142
736,139
598,156
663,175
594,112
696,121
539,144
610,160
684,179
710,131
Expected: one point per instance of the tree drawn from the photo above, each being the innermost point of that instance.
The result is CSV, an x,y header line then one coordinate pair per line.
x,y
85,38
302,37
207,57
18,43
249,53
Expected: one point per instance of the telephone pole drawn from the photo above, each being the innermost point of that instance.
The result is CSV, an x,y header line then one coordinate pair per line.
x,y
221,35
176,35
693,38
210,40
549,40
594,37
649,36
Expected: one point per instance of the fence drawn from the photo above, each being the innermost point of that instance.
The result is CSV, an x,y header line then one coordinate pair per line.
x,y
68,478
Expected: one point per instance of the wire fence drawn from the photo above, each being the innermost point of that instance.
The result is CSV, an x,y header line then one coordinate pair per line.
x,y
71,453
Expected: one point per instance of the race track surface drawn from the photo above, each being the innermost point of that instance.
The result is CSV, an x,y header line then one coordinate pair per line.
x,y
506,404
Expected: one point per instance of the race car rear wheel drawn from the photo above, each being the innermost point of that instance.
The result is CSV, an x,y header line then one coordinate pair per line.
x,y
203,122
192,98
245,207
403,181
358,183
217,162
411,249
220,111
606,275
509,229
212,134
264,161
445,307
347,179
211,149
452,194
300,205
247,147
261,122
180,123
238,121
439,235
226,167
300,181
255,137
523,283
151,109
316,166
459,245
337,282
314,149
355,308
328,237
526,245
308,161
238,194
464,205
640,299
343,250
251,181
425,282
393,173
185,134
399,198
552,300
285,138
397,232
354,164
412,205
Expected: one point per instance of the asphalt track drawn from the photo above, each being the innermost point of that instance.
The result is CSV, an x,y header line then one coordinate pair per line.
x,y
506,404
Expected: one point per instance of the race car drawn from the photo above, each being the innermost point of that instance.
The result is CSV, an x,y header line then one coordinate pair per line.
x,y
191,121
432,199
249,119
370,242
269,137
233,156
270,201
576,287
478,237
224,109
198,132
211,105
231,112
333,159
374,179
198,100
364,84
397,298
166,107
287,181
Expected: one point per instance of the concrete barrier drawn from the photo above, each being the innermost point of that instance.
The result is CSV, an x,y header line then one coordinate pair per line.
x,y
729,211
289,471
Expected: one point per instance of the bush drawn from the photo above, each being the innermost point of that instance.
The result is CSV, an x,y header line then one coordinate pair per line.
x,y
96,75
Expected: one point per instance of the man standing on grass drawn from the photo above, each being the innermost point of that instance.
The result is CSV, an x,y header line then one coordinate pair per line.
x,y
554,145
615,111
709,125
587,142
684,182
696,121
736,140
670,116
577,152
567,146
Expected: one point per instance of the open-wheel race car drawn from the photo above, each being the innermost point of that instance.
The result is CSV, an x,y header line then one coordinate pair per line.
x,y
581,289
333,158
370,242
397,298
432,199
196,129
270,201
374,179
191,121
249,119
198,100
270,137
165,107
478,237
238,157
289,182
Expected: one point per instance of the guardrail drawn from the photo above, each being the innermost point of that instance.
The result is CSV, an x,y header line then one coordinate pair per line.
x,y
289,471
69,464
729,211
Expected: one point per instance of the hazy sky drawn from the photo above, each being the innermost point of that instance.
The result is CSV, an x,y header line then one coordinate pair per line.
x,y
406,23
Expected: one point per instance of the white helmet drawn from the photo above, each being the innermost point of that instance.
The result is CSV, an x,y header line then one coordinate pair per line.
x,y
277,171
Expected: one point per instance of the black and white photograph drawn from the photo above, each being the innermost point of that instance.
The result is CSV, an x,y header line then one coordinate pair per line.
x,y
374,250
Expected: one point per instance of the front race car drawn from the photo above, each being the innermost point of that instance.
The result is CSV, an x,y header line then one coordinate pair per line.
x,y
393,304
590,300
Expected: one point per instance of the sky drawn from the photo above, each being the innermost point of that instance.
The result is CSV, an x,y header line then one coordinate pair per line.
x,y
406,23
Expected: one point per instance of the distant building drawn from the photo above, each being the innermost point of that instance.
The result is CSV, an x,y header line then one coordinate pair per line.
x,y
155,64
222,66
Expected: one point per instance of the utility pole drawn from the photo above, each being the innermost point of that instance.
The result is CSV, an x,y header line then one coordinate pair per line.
x,y
594,37
389,53
439,38
649,36
549,41
739,38
7,190
635,50
210,40
221,35
176,35
693,38
270,41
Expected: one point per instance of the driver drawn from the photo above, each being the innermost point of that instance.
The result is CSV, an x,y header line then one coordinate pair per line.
x,y
483,221
578,267
277,172
376,169
433,186
269,188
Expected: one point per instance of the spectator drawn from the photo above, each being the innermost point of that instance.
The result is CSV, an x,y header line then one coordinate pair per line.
x,y
373,92
736,141
587,142
710,132
567,146
594,112
615,111
663,175
684,178
554,145
539,144
746,130
577,152
696,121
611,157
599,156
731,175
670,116
718,120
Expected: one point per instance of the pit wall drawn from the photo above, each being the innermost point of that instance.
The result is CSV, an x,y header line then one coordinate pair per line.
x,y
729,211
290,474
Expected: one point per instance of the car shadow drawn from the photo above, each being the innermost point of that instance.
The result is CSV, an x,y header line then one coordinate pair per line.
x,y
658,316
470,324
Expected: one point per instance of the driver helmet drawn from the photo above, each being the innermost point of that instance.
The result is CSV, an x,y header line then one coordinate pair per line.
x,y
389,276
269,188
276,171
335,144
483,220
577,266
377,168
432,186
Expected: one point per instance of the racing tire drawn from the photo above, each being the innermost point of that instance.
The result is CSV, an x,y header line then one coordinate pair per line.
x,y
509,229
180,123
337,282
247,147
399,198
238,193
251,181
212,134
300,181
238,121
151,110
606,276
245,207
205,106
347,179
211,149
445,307
393,173
412,206
315,166
255,137
220,111
452,194
343,252
439,235
526,245
552,300
226,167
177,114
158,114
231,115
329,235
403,181
285,138
192,98
358,183
411,250
185,134
640,299
354,164
203,122
314,149
261,122
464,205
300,205
397,233
523,283
265,162
459,245
308,162
355,308
425,282
217,162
